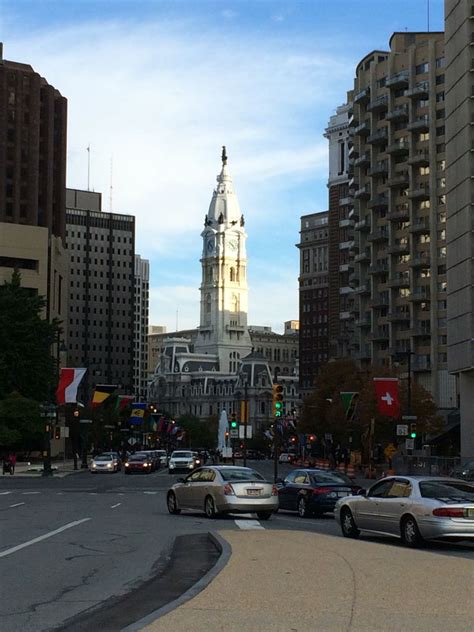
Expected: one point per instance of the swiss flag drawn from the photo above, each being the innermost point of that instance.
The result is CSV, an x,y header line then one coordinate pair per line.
x,y
388,401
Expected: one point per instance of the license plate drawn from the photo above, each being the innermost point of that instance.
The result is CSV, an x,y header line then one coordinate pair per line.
x,y
342,494
254,492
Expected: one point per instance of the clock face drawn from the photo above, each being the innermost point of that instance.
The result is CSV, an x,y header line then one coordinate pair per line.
x,y
233,244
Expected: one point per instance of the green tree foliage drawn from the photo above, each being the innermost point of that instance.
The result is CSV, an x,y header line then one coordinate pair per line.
x,y
26,364
199,434
21,426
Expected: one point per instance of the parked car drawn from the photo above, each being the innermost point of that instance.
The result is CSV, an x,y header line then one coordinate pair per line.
x,y
314,492
286,457
104,463
411,508
465,471
139,462
182,460
224,489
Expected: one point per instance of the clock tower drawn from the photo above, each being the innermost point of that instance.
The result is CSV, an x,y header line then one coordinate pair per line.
x,y
224,292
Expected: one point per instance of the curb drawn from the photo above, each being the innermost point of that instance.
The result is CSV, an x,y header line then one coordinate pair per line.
x,y
226,552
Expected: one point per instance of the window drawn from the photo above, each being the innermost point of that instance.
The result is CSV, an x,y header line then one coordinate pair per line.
x,y
439,80
379,490
399,489
440,130
422,68
424,136
301,478
440,62
424,171
440,97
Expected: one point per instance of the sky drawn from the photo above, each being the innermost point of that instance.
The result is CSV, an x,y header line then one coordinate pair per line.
x,y
156,87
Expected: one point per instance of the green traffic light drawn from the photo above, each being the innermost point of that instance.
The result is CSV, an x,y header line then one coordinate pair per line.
x,y
233,424
413,435
278,405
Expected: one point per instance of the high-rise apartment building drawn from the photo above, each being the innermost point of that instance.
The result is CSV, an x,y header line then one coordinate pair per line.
x,y
33,118
101,248
313,298
341,235
398,127
140,368
459,40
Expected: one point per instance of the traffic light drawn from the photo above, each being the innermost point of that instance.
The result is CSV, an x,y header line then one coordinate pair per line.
x,y
413,433
233,420
277,397
57,432
312,438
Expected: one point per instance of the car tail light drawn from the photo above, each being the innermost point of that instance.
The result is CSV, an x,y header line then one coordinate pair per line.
x,y
321,490
449,512
229,490
274,490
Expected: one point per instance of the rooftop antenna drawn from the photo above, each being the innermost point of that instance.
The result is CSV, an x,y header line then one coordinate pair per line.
x,y
177,311
89,167
428,14
111,189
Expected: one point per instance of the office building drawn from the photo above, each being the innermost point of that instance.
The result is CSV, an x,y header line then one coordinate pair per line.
x,y
140,368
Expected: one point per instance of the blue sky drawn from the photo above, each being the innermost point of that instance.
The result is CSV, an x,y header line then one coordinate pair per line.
x,y
156,87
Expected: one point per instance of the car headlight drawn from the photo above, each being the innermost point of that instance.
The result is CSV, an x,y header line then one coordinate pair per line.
x,y
126,464
171,465
109,464
94,465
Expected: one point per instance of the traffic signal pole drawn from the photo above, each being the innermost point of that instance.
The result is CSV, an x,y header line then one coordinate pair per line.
x,y
245,422
275,447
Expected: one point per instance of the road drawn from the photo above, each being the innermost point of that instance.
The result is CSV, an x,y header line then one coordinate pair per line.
x,y
70,544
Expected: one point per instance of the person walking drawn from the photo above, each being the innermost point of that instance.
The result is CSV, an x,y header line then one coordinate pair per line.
x,y
12,461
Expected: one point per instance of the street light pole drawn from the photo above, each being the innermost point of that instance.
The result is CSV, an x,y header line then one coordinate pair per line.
x,y
275,448
246,409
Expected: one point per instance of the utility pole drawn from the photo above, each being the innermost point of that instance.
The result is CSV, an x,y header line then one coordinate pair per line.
x,y
275,443
245,415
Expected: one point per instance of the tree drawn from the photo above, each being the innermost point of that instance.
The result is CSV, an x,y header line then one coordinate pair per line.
x,y
20,423
26,364
199,434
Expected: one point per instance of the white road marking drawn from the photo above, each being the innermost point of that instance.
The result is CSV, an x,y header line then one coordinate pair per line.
x,y
4,493
120,494
150,492
248,525
117,505
93,493
43,537
59,493
30,493
17,504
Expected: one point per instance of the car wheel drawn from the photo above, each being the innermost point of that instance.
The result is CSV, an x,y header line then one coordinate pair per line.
x,y
172,504
348,525
210,507
302,508
410,533
264,515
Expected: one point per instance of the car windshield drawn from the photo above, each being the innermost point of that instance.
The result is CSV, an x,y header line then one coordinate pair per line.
x,y
103,457
452,491
182,455
330,477
137,457
231,474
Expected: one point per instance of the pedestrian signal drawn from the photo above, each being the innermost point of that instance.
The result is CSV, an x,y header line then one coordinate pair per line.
x,y
277,398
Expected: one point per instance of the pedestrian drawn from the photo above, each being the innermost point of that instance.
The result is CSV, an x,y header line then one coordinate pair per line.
x,y
12,460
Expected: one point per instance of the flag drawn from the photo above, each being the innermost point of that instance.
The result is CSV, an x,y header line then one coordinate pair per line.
x,y
349,403
138,412
123,401
101,393
388,401
69,381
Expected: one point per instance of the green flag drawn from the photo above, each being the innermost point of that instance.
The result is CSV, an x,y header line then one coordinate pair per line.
x,y
349,403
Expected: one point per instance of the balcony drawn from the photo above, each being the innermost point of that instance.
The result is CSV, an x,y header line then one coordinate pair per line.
x,y
344,315
399,316
362,289
346,223
379,137
345,267
378,268
379,202
363,225
399,249
363,161
352,153
362,96
345,245
363,193
421,294
363,353
398,80
363,322
353,248
419,158
420,191
364,256
363,129
421,363
379,104
354,213
398,148
379,301
421,260
354,279
345,290
399,281
419,91
381,234
399,113
378,334
420,225
400,179
353,121
345,201
420,331
379,169
400,214
420,124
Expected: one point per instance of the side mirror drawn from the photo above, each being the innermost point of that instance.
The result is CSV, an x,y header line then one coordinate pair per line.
x,y
362,492
180,480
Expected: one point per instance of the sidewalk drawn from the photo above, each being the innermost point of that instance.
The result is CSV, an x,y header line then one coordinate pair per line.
x,y
35,470
302,582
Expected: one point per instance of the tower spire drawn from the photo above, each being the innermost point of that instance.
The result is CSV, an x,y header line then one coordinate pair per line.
x,y
224,156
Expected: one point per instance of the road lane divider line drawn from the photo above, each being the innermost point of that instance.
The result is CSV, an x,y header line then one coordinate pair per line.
x,y
4,493
150,492
45,536
16,505
117,505
248,525
29,493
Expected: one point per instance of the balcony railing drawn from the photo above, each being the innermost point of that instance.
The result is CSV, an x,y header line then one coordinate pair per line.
x,y
398,147
363,192
399,249
399,281
398,114
379,169
398,316
419,191
379,301
420,260
420,225
362,95
363,225
419,91
363,256
364,288
363,129
363,160
398,80
378,104
420,124
400,179
421,294
419,158
378,202
399,214
378,268
379,137
381,234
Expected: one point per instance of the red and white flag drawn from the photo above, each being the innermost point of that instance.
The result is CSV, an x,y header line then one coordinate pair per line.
x,y
69,381
388,401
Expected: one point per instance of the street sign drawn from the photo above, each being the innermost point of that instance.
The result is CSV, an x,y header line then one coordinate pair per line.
x,y
132,441
242,431
234,433
410,444
402,430
409,417
85,421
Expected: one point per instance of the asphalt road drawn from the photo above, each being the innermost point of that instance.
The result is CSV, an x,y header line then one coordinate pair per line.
x,y
67,545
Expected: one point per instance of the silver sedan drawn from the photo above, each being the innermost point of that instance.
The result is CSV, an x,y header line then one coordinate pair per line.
x,y
224,489
413,508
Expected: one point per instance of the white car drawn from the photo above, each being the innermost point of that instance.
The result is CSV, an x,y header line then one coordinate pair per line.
x,y
286,457
182,460
104,463
161,454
